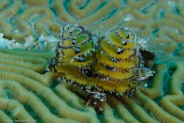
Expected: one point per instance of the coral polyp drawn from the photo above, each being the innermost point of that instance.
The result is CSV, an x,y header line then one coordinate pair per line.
x,y
116,63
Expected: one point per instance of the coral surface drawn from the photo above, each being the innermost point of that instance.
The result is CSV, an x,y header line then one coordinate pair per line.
x,y
28,93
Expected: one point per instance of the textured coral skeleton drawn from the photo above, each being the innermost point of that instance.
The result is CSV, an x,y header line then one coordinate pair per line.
x,y
22,73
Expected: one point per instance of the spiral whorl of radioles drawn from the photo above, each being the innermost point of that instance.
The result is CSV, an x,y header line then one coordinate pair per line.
x,y
75,47
117,56
113,63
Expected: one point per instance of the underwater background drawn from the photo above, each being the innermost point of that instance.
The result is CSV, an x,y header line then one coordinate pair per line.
x,y
29,32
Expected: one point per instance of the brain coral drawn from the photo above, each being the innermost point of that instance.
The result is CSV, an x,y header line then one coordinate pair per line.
x,y
28,93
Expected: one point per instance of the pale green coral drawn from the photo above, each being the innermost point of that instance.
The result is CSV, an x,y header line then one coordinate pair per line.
x,y
34,95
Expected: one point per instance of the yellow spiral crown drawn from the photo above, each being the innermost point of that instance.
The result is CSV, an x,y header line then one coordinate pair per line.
x,y
116,63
